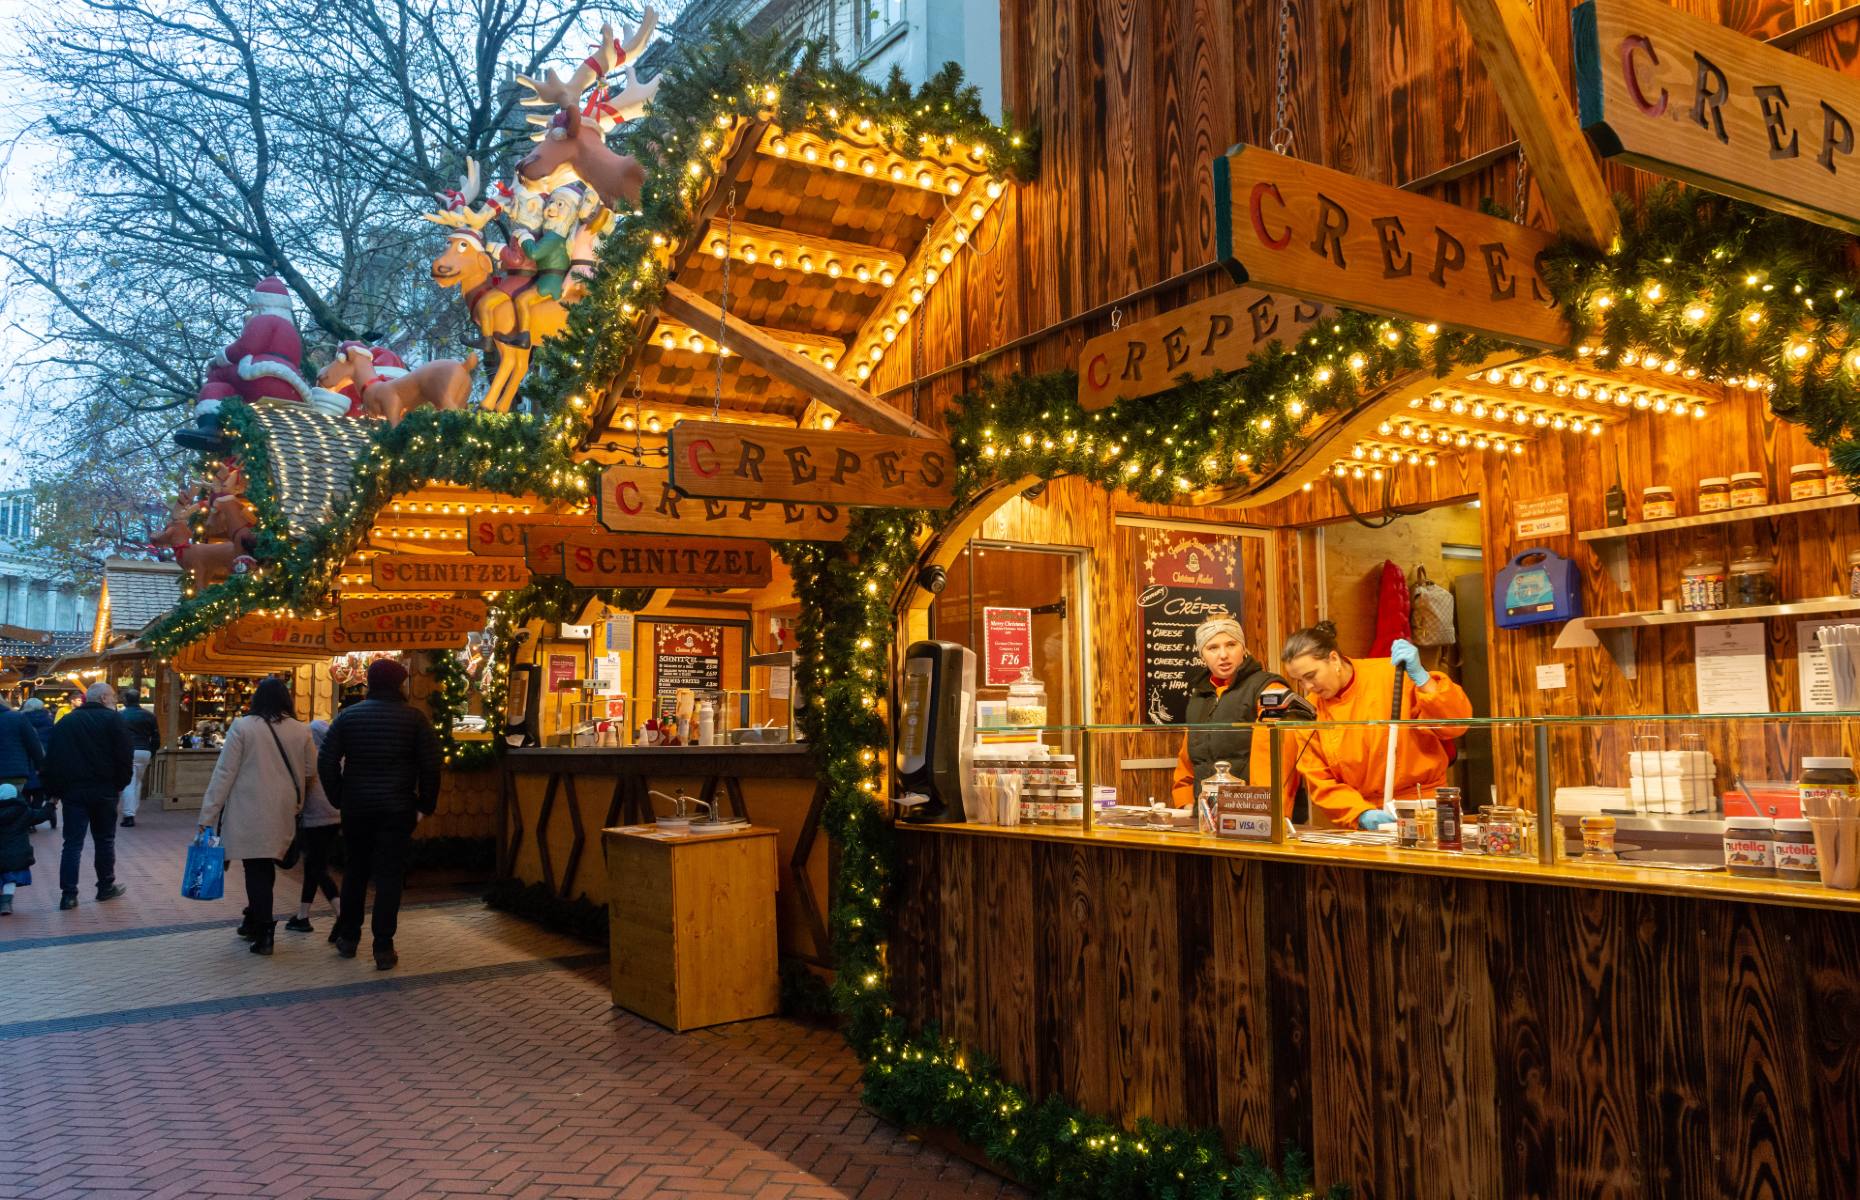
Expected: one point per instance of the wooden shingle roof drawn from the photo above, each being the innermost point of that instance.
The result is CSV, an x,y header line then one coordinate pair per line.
x,y
312,460
137,591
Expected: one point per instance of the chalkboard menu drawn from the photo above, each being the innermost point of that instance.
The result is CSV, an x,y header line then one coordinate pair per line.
x,y
1183,580
688,656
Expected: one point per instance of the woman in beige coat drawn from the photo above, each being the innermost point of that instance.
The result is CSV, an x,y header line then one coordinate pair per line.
x,y
257,789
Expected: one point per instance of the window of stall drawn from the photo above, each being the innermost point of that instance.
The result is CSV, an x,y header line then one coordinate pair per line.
x,y
1022,610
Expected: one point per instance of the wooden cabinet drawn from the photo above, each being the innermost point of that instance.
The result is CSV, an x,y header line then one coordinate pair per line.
x,y
691,923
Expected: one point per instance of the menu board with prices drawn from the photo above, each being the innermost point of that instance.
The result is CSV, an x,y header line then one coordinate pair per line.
x,y
1184,579
688,656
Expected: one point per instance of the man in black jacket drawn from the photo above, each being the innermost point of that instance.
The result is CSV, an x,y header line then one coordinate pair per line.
x,y
380,766
88,764
145,736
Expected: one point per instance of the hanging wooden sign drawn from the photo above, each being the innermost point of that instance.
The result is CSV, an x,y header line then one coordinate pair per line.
x,y
752,462
1198,340
1691,99
1289,226
643,500
499,534
267,634
542,547
448,573
650,560
404,624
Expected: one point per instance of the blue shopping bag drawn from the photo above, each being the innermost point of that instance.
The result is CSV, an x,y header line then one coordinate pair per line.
x,y
204,877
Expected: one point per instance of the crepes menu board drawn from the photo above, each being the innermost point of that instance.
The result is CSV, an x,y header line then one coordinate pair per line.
x,y
688,656
1184,579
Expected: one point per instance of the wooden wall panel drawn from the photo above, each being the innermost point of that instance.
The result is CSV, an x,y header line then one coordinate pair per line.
x,y
1421,1036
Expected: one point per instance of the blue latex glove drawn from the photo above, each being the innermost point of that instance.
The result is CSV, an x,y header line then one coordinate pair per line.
x,y
1375,818
1403,654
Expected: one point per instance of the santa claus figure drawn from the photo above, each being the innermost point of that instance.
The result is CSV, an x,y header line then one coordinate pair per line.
x,y
269,349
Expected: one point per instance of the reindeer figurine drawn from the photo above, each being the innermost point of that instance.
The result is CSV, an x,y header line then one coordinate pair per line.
x,y
444,383
574,141
511,315
208,562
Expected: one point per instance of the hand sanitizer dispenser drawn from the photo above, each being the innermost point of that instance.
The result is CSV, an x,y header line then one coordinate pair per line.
x,y
935,733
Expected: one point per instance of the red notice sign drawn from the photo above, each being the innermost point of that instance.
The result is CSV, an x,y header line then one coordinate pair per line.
x,y
1007,644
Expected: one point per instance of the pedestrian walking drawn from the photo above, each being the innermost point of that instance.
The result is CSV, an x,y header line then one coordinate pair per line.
x,y
17,817
380,767
256,792
88,762
145,736
41,721
21,751
321,827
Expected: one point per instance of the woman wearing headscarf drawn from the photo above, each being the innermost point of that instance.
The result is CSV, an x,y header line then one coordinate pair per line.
x,y
258,786
1230,687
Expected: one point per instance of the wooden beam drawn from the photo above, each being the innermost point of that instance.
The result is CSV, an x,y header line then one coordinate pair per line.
x,y
780,250
674,338
1505,33
870,160
682,304
914,282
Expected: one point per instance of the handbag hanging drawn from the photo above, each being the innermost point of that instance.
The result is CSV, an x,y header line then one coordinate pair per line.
x,y
295,850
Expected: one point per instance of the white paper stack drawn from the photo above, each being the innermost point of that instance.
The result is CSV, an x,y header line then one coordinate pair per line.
x,y
1671,781
1590,799
1841,643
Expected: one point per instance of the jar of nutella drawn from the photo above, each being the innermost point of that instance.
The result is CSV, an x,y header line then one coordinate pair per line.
x,y
1807,480
1714,494
1823,783
1796,856
1658,503
1748,490
1749,846
1069,805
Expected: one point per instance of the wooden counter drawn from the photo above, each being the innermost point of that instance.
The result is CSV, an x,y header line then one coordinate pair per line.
x,y
554,802
1425,1024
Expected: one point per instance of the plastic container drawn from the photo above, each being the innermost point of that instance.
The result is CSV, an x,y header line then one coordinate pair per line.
x,y
1714,494
1748,490
1749,846
1598,839
1753,582
1796,856
1702,586
1658,503
1807,481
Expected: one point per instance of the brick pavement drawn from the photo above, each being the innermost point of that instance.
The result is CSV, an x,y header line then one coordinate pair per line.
x,y
151,1062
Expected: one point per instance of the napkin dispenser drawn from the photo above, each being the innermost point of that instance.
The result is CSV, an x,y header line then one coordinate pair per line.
x,y
936,738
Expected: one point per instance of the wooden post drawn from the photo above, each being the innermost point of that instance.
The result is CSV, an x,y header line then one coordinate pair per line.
x,y
1505,33
681,303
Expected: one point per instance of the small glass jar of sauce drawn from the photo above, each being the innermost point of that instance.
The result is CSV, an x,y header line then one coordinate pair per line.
x,y
1822,782
1748,490
1796,856
1807,481
1658,503
1749,846
1714,494
1598,838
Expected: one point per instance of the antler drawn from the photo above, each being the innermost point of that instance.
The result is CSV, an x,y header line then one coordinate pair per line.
x,y
636,41
455,208
552,91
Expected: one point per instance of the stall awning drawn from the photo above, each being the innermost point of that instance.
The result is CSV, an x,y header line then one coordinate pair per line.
x,y
134,593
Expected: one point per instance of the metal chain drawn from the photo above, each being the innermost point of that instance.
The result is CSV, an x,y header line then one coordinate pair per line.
x,y
1282,132
723,307
1117,318
917,349
1523,196
639,445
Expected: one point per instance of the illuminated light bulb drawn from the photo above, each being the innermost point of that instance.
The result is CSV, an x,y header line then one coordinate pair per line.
x,y
833,268
658,239
888,277
864,372
1495,376
1671,367
1660,405
669,340
917,295
1385,429
1437,404
994,189
770,95
695,342
1800,351
1356,472
749,255
1584,391
1479,410
1432,462
868,167
694,169
828,361
1690,372
1654,293
1340,470
1517,449
1375,473
930,276
628,423
1698,410
1540,420
1754,317
1481,442
1376,454
1561,388
653,424
810,154
953,186
1602,300
1458,407
1853,360
902,314
1392,337
1414,460
1641,403
976,210
888,333
1324,375
961,234
1596,429
925,179
1357,362
1357,451
862,273
945,254
777,258
719,249
897,173
1585,351
1696,313
1425,436
1406,431
1539,384
838,159
877,353
1558,423
1629,358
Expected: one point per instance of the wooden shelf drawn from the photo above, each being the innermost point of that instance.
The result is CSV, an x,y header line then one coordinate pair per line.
x,y
1758,512
1580,633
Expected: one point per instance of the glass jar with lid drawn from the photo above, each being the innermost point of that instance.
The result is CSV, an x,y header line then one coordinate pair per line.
x,y
1658,503
1753,580
1702,585
1748,490
1807,481
1026,700
1504,832
1714,494
1217,787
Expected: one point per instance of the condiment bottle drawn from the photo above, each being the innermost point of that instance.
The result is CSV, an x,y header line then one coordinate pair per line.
x,y
1447,805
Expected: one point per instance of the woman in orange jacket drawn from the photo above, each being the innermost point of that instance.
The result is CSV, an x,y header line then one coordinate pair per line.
x,y
1343,764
